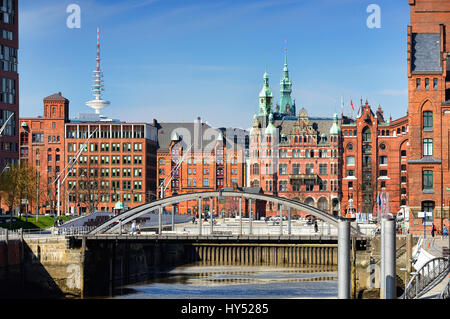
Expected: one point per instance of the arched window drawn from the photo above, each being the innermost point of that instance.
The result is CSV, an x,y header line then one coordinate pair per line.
x,y
367,137
427,119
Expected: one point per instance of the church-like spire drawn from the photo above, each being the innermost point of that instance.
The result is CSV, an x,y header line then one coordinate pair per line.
x,y
286,105
265,97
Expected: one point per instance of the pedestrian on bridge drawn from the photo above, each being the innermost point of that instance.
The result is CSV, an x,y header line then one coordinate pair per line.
x,y
445,231
433,229
316,227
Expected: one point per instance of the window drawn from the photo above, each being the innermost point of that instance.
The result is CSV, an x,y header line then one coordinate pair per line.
x,y
382,146
350,160
383,172
417,84
427,180
350,172
383,160
403,153
427,147
427,119
427,83
366,135
206,182
8,91
309,168
283,169
350,147
403,168
283,186
350,185
296,169
383,184
435,84
323,169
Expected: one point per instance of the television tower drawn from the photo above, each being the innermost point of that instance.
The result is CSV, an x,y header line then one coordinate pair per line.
x,y
98,103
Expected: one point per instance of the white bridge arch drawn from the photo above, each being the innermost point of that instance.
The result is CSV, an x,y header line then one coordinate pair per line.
x,y
113,224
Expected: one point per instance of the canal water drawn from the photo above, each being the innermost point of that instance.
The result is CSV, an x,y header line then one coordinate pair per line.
x,y
237,282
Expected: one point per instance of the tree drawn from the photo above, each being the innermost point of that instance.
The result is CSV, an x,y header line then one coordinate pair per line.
x,y
18,183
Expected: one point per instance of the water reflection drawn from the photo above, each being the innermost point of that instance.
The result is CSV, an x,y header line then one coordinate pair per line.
x,y
220,282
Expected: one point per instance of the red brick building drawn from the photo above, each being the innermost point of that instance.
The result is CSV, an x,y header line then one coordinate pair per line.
x,y
428,67
374,160
9,83
118,166
209,159
298,159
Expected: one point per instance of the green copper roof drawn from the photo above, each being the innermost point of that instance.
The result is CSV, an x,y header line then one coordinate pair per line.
x,y
335,129
286,105
270,129
265,97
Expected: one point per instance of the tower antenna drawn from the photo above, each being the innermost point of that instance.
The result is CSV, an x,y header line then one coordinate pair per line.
x,y
98,103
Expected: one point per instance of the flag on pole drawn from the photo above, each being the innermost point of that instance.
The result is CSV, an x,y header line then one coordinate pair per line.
x,y
351,103
342,104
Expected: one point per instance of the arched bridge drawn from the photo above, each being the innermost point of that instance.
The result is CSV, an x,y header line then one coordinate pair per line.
x,y
112,225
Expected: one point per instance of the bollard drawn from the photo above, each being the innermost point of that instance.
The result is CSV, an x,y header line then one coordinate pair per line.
x,y
389,259
382,282
344,259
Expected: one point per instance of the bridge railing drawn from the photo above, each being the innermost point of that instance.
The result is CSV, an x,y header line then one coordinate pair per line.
x,y
426,275
445,294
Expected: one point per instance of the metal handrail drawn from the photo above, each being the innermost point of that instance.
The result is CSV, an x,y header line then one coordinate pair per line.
x,y
445,294
426,275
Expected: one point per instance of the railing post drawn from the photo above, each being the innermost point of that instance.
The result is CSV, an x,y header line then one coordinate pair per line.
x,y
289,221
173,217
240,215
250,218
211,201
160,220
281,220
199,216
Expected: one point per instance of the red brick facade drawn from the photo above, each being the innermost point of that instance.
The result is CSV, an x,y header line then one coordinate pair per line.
x,y
119,164
213,162
374,161
429,112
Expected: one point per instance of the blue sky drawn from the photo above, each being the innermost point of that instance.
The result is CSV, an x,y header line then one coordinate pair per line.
x,y
174,60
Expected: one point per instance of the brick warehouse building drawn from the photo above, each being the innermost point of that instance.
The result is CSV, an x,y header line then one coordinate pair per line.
x,y
210,159
294,156
119,164
9,82
428,68
374,160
